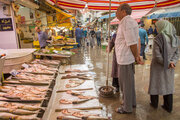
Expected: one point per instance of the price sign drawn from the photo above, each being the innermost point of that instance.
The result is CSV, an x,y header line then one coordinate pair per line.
x,y
6,24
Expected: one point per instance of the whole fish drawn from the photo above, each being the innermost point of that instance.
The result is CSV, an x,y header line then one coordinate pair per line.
x,y
17,111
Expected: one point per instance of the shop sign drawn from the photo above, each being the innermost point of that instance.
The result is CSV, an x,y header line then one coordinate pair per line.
x,y
6,24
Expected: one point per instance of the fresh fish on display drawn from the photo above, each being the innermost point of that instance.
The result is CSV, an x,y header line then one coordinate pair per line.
x,y
75,93
76,76
64,101
75,70
74,83
8,116
55,62
19,106
86,97
24,93
17,111
40,66
77,113
28,76
37,70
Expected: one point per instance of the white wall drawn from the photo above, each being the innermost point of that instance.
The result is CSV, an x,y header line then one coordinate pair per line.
x,y
7,38
25,11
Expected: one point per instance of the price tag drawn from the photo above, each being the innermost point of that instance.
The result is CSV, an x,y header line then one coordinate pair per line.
x,y
25,65
55,51
14,72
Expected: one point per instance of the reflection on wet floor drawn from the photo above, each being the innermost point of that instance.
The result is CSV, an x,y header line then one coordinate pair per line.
x,y
96,60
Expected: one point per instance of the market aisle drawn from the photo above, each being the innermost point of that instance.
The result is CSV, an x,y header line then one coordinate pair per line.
x,y
96,60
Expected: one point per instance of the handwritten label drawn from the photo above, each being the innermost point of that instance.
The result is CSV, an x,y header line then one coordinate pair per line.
x,y
14,72
55,51
25,65
6,24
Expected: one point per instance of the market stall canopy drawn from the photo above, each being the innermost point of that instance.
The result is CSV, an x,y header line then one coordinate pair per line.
x,y
103,5
164,15
135,15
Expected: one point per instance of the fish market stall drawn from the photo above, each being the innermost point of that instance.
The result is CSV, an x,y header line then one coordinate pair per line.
x,y
26,93
63,55
74,96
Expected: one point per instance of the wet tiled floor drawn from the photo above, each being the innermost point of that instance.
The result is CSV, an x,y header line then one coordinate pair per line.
x,y
96,59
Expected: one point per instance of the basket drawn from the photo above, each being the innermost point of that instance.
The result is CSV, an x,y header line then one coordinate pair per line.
x,y
2,59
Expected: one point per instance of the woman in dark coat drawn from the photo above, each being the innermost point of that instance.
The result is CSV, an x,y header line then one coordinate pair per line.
x,y
114,73
165,57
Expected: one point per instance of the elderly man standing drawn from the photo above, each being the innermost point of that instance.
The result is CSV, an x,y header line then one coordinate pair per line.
x,y
42,36
126,54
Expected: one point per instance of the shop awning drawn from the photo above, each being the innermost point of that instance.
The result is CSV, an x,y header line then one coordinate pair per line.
x,y
60,11
107,16
135,15
63,19
103,5
164,15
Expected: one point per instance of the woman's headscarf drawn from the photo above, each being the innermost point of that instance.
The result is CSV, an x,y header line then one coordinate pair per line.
x,y
169,31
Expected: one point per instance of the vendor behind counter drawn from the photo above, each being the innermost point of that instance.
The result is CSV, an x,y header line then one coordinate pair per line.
x,y
42,37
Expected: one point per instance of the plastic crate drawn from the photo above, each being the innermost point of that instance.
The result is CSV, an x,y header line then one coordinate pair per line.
x,y
36,43
103,46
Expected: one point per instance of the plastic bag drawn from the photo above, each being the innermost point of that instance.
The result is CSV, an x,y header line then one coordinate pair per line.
x,y
146,49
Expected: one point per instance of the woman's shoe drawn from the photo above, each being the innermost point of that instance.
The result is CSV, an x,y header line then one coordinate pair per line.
x,y
169,111
153,106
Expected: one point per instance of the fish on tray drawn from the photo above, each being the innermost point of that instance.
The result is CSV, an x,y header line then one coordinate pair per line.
x,y
62,117
74,92
76,76
37,70
55,62
86,97
19,106
33,89
17,111
75,70
64,101
77,113
74,83
40,66
9,116
24,93
28,76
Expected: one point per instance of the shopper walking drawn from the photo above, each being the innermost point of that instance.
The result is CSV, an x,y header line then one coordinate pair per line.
x,y
126,54
144,40
165,57
150,30
155,31
83,37
92,37
98,37
78,34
